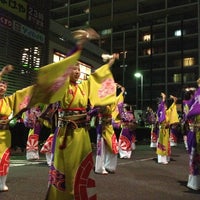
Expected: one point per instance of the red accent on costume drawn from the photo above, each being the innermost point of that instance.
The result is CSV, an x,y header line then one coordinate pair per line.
x,y
115,147
57,179
5,163
154,137
124,143
173,137
82,182
46,148
32,143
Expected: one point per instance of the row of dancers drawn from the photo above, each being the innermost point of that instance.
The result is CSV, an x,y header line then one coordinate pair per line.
x,y
71,159
165,123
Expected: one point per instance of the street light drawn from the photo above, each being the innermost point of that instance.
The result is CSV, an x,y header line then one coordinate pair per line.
x,y
139,75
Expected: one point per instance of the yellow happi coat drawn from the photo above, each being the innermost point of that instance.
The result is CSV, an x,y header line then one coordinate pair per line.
x,y
70,173
10,106
171,117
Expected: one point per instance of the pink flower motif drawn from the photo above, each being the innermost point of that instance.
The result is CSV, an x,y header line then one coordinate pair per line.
x,y
60,80
24,102
108,87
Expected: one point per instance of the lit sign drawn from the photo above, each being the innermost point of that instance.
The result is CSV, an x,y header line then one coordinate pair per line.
x,y
35,17
6,21
25,30
17,7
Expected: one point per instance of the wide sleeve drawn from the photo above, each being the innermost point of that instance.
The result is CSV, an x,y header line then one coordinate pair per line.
x,y
195,107
53,79
102,87
19,100
119,101
161,113
172,114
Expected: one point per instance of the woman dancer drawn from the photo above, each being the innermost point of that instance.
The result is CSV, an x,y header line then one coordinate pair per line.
x,y
166,117
31,121
107,145
72,161
151,120
14,105
193,138
127,136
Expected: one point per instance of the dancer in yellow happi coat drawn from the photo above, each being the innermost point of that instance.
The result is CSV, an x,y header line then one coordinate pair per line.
x,y
9,107
107,145
22,100
53,85
72,161
166,118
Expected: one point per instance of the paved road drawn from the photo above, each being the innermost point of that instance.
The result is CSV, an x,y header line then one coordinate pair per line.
x,y
139,178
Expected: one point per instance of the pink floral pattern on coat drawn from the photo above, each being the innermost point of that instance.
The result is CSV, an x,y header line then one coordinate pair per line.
x,y
60,80
108,87
24,102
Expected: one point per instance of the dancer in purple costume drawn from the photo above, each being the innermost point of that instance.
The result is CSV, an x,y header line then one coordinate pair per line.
x,y
193,138
127,136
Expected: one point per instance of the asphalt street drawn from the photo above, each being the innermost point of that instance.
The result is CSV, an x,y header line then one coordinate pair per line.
x,y
138,178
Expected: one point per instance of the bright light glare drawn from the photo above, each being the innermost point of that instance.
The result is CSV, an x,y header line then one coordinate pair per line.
x,y
137,75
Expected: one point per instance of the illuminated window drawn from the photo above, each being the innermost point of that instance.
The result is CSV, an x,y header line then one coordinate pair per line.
x,y
188,61
177,78
31,57
147,37
148,51
178,33
58,56
106,31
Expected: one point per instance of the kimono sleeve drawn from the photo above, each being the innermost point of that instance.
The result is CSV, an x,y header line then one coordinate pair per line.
x,y
195,107
119,101
172,114
19,100
53,79
102,87
161,113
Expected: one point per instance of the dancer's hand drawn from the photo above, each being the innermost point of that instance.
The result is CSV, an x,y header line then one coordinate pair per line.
x,y
163,95
113,58
174,98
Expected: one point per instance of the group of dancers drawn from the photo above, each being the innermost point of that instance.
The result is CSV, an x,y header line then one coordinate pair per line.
x,y
71,156
165,123
66,113
105,119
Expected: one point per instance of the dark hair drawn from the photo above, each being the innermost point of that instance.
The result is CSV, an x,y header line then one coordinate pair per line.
x,y
3,82
187,94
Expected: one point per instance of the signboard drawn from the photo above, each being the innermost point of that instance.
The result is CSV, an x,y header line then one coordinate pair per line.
x,y
16,7
21,28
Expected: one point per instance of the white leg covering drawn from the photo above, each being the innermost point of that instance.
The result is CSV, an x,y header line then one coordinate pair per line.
x,y
124,154
163,159
133,146
194,182
32,155
3,186
153,144
185,141
110,160
100,157
48,158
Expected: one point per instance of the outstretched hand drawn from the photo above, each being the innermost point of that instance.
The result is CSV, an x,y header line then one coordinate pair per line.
x,y
113,58
163,95
174,98
6,69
